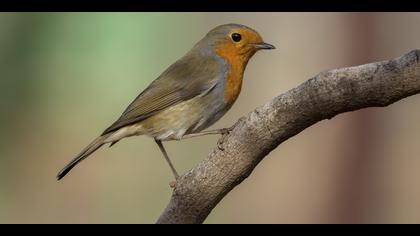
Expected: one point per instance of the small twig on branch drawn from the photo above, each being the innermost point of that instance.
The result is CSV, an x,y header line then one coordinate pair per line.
x,y
253,137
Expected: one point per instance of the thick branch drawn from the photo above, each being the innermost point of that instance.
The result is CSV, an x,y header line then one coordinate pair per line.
x,y
253,137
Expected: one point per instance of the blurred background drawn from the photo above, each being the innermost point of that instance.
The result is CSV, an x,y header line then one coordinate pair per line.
x,y
65,77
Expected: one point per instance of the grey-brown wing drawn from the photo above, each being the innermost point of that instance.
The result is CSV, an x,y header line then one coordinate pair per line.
x,y
182,81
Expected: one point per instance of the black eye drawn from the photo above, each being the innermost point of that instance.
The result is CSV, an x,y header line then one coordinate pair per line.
x,y
236,37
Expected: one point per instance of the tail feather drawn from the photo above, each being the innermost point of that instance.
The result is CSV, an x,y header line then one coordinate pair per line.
x,y
93,146
112,144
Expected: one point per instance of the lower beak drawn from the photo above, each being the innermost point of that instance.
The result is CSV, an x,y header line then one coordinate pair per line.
x,y
264,46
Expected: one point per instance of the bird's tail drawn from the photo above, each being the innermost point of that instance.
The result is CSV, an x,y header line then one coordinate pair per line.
x,y
93,146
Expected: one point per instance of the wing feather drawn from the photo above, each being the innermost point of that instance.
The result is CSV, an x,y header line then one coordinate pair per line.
x,y
187,78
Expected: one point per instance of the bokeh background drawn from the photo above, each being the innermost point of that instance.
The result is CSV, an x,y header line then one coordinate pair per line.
x,y
64,77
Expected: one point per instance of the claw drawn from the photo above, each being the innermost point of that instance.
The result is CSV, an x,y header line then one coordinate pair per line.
x,y
220,144
172,184
224,132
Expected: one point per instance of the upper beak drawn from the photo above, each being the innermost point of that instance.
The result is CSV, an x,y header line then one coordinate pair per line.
x,y
264,46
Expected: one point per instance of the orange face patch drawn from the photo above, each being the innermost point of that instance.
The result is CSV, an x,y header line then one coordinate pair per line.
x,y
237,55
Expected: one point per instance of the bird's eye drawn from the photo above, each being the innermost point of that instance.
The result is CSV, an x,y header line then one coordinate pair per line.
x,y
236,37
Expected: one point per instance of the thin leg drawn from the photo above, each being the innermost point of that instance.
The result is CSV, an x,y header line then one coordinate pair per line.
x,y
217,131
162,149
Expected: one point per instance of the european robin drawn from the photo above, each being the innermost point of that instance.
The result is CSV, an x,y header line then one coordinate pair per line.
x,y
190,95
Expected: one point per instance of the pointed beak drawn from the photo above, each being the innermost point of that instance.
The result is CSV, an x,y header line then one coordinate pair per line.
x,y
264,46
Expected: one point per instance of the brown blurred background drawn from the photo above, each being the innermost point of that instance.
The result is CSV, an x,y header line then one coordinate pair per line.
x,y
64,77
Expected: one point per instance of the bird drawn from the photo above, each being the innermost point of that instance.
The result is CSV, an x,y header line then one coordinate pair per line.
x,y
189,96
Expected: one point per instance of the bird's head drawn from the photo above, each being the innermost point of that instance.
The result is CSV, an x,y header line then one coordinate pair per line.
x,y
234,42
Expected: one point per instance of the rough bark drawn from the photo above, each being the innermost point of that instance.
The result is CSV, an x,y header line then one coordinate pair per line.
x,y
324,96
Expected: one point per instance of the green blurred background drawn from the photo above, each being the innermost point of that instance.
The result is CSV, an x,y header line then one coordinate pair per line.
x,y
64,77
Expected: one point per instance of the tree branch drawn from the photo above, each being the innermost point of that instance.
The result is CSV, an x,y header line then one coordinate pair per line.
x,y
322,97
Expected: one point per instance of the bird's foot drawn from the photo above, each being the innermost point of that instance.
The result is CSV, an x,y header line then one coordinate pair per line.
x,y
174,182
224,132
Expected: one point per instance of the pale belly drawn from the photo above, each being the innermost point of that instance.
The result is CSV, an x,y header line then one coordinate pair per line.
x,y
187,117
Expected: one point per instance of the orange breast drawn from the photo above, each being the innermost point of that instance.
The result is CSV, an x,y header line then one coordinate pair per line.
x,y
233,85
235,74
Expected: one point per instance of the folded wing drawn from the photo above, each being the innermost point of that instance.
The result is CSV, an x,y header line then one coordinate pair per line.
x,y
187,78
